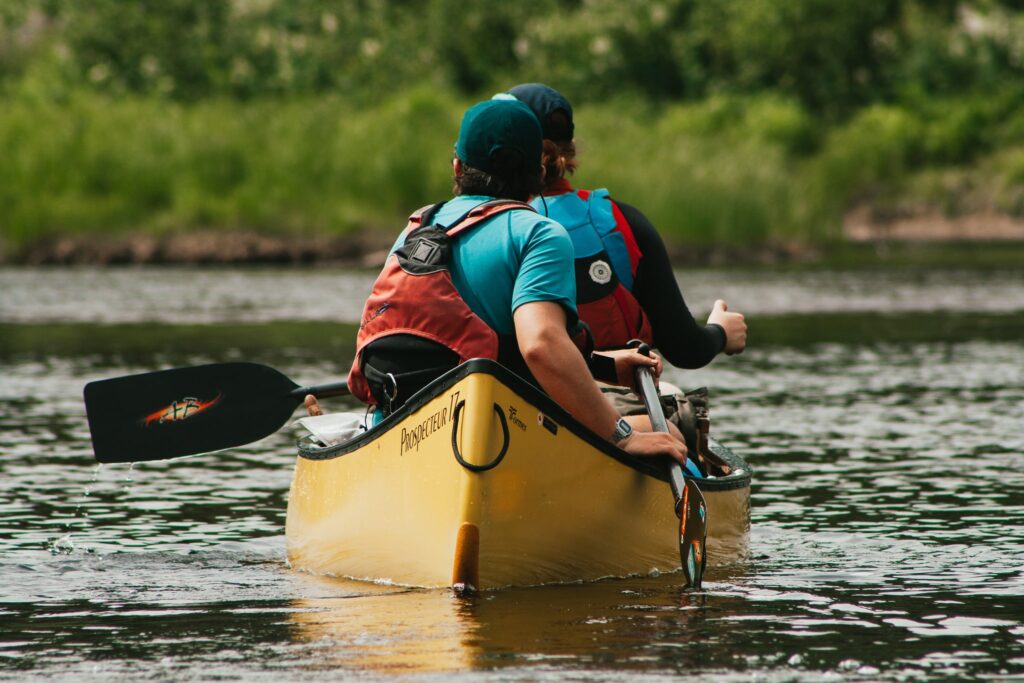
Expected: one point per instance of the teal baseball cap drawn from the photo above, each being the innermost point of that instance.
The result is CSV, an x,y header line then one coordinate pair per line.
x,y
498,124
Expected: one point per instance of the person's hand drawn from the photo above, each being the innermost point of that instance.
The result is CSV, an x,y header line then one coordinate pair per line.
x,y
626,363
734,325
653,444
312,406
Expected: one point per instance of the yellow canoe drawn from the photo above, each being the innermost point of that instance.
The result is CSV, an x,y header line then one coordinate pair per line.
x,y
481,480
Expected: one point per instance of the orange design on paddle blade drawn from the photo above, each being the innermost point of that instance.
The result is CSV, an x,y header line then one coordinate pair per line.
x,y
180,410
684,511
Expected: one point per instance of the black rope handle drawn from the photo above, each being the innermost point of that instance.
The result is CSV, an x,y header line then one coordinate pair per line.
x,y
455,445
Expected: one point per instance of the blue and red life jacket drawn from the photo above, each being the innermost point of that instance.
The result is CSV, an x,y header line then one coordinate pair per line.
x,y
607,257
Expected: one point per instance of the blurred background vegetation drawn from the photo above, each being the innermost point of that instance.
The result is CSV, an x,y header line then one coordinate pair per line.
x,y
727,121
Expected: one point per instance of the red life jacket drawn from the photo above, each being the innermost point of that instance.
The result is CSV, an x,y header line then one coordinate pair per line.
x,y
414,294
607,257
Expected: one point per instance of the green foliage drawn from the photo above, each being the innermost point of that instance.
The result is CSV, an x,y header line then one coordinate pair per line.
x,y
767,119
1005,170
693,182
826,53
868,159
736,120
25,25
98,164
832,56
165,46
946,50
92,163
244,48
477,44
604,48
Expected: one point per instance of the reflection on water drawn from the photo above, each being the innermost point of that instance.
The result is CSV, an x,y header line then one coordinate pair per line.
x,y
387,630
181,295
887,540
219,295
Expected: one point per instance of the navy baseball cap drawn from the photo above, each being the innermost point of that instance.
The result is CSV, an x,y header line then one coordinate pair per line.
x,y
544,101
498,124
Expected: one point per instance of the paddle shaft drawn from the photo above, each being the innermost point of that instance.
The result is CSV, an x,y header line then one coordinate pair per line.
x,y
689,501
649,393
320,390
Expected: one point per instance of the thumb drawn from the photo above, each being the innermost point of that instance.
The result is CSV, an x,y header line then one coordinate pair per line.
x,y
312,406
721,305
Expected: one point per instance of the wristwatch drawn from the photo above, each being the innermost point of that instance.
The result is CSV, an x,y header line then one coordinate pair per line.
x,y
622,430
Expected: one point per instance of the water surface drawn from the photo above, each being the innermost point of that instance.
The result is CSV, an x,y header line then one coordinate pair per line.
x,y
888,501
212,295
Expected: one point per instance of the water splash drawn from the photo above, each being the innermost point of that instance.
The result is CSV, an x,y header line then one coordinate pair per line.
x,y
65,545
128,479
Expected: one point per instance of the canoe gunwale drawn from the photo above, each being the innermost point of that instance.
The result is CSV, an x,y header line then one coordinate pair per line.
x,y
309,450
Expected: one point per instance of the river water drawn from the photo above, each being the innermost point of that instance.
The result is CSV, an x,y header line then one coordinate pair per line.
x,y
882,413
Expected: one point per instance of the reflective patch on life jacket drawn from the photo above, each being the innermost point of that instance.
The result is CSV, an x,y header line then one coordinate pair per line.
x,y
595,278
600,271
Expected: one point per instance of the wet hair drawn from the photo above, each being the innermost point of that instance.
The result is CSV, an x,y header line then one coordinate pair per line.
x,y
510,179
559,158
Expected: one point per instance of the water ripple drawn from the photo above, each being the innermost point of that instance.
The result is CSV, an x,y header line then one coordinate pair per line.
x,y
204,295
887,544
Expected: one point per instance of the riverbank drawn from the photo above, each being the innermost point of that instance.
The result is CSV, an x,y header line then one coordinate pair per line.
x,y
203,247
367,248
967,241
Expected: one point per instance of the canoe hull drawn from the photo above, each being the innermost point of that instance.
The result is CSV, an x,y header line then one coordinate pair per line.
x,y
396,504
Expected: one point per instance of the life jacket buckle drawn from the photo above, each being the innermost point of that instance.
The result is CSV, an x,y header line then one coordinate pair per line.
x,y
390,387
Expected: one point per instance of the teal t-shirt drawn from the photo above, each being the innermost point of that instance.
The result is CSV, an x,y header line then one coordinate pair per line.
x,y
514,258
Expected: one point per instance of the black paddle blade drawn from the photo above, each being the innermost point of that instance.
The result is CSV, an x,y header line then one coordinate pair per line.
x,y
167,414
693,532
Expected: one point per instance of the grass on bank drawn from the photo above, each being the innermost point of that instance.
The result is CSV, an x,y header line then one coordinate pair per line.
x,y
92,164
728,170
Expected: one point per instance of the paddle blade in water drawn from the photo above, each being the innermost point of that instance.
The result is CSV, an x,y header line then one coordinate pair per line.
x,y
693,532
167,414
690,505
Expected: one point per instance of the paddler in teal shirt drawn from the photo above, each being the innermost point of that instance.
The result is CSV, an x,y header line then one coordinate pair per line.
x,y
514,271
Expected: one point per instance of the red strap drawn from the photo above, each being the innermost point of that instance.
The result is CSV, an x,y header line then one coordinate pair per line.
x,y
485,211
632,248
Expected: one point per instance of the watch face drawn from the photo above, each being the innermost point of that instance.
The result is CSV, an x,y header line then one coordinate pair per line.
x,y
622,430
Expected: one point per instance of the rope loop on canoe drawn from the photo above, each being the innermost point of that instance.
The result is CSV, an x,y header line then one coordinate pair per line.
x,y
455,445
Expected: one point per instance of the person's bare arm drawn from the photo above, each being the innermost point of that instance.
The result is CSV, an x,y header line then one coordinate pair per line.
x,y
561,371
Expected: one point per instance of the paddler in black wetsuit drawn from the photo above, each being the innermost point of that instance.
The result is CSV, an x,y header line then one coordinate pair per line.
x,y
626,288
626,238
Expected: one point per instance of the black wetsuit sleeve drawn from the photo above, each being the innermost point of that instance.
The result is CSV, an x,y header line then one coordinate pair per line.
x,y
680,339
